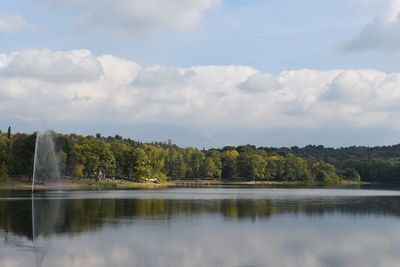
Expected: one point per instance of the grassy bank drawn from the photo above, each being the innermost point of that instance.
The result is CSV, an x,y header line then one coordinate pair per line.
x,y
82,184
110,184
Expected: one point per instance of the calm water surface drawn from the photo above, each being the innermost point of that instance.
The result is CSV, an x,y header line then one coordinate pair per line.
x,y
201,227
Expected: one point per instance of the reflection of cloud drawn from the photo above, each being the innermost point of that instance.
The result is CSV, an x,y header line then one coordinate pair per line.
x,y
284,240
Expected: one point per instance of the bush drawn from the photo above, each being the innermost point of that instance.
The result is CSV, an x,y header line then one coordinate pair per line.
x,y
351,174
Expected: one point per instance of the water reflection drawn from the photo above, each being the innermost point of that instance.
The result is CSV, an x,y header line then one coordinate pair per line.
x,y
285,228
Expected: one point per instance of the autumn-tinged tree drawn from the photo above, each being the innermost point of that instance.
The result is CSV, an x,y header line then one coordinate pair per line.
x,y
97,158
116,157
325,173
194,159
158,159
139,165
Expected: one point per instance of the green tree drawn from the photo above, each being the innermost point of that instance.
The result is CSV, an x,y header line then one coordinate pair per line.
x,y
351,174
194,159
78,171
4,172
139,165
275,167
158,157
251,166
216,158
229,164
326,173
97,158
22,154
208,168
5,143
296,169
120,150
178,167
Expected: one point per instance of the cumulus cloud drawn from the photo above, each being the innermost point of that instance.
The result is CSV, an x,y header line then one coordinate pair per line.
x,y
47,65
12,24
260,82
383,34
127,16
77,87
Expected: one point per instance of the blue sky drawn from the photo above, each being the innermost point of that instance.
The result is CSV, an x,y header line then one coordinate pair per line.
x,y
268,35
327,70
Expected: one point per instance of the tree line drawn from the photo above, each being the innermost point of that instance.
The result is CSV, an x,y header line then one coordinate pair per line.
x,y
98,157
378,164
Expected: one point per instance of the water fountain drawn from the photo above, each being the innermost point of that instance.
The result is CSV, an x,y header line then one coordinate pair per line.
x,y
45,164
45,170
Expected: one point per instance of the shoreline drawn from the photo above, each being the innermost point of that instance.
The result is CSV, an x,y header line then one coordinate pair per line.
x,y
111,184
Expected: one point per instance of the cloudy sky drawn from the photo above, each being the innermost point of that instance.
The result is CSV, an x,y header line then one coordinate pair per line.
x,y
204,72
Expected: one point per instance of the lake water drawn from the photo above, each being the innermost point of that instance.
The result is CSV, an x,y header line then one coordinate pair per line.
x,y
201,227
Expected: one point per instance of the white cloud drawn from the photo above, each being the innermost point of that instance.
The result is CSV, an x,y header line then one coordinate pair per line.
x,y
12,24
47,65
130,16
77,87
260,82
383,34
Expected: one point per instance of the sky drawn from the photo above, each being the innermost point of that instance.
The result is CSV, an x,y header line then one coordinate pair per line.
x,y
205,73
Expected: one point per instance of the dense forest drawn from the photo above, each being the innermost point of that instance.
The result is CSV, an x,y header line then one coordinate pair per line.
x,y
380,164
97,157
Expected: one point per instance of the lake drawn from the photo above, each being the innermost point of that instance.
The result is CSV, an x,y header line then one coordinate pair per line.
x,y
201,227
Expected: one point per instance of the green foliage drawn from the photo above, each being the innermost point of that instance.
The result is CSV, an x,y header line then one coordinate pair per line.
x,y
5,143
22,153
296,169
378,164
177,165
351,174
194,159
78,171
99,157
251,166
275,167
96,157
4,172
140,165
120,150
229,164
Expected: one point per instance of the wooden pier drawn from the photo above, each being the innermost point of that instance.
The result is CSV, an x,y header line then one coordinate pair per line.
x,y
188,183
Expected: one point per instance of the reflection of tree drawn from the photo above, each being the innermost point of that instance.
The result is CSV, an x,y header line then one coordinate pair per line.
x,y
76,215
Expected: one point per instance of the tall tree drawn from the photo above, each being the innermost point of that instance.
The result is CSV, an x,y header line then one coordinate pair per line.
x,y
139,165
229,164
251,166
